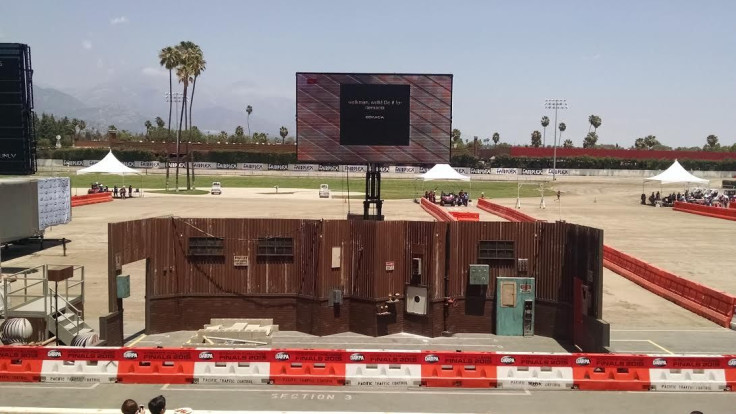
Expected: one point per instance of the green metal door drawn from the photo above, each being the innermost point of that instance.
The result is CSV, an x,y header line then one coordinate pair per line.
x,y
515,306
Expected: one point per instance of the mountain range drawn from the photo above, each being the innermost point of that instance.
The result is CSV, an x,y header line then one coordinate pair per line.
x,y
129,103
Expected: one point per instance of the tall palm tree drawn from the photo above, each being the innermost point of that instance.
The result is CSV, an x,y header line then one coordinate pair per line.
x,y
197,65
496,138
283,132
545,123
169,58
562,127
249,109
148,126
183,74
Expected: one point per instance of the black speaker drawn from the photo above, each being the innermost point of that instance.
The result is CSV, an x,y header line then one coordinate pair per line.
x,y
17,135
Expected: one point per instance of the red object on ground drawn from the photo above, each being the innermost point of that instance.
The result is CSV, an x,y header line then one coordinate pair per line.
x,y
509,214
465,216
95,198
439,213
715,212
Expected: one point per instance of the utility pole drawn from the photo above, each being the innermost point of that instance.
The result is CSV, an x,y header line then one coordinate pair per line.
x,y
555,104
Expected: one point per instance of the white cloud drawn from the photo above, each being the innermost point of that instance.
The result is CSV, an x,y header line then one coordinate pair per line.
x,y
87,44
155,72
118,20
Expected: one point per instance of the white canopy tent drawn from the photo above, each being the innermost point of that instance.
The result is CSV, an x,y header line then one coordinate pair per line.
x,y
109,165
443,172
676,174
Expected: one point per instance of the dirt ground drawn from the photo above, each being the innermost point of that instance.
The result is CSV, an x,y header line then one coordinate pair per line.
x,y
696,247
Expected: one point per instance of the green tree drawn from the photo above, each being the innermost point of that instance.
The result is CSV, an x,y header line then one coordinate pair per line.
x,y
562,127
148,126
197,65
536,139
283,132
248,110
595,121
456,135
183,73
545,123
650,141
712,142
496,138
639,143
590,140
169,58
239,131
568,144
160,122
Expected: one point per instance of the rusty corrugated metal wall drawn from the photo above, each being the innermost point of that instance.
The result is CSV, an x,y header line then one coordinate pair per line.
x,y
364,249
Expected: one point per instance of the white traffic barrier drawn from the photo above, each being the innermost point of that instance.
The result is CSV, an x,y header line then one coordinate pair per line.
x,y
255,373
383,375
553,378
79,371
687,379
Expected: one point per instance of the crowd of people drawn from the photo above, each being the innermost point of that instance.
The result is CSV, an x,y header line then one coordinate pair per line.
x,y
122,192
697,196
157,405
459,199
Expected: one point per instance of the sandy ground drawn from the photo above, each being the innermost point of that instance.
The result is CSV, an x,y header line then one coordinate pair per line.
x,y
696,247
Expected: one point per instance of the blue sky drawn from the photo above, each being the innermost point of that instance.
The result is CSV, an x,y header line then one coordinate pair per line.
x,y
666,68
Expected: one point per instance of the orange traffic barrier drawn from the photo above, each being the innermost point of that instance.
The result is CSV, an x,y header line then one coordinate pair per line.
x,y
318,367
468,370
465,216
715,212
509,214
439,213
611,373
86,199
155,366
21,364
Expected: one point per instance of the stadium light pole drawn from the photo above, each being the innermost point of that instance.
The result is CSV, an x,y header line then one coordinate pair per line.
x,y
555,104
175,97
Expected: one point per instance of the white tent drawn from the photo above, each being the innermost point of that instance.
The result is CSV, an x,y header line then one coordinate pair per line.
x,y
443,172
108,165
676,174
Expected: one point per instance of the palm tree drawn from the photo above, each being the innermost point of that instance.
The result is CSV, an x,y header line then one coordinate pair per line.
x,y
159,122
197,65
283,132
183,74
595,122
169,58
148,126
712,141
82,125
496,138
562,127
249,109
568,143
545,123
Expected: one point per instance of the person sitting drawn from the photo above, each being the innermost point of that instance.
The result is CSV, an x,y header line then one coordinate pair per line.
x,y
157,405
131,407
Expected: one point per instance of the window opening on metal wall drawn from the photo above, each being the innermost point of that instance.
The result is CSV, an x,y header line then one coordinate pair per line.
x,y
276,247
206,246
495,251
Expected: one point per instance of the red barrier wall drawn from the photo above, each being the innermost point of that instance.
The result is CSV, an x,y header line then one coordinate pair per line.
x,y
715,212
509,214
86,199
707,302
465,216
541,152
439,213
703,300
600,372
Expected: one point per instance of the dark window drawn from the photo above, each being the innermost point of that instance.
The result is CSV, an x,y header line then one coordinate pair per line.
x,y
276,247
206,246
495,251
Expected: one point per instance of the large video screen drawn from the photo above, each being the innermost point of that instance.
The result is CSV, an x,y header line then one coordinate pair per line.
x,y
373,118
